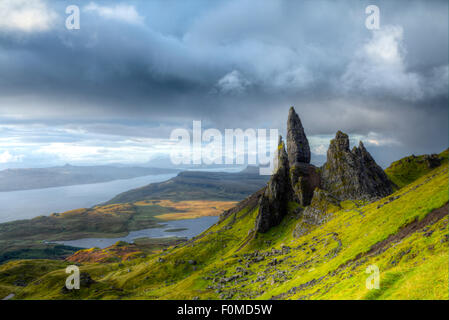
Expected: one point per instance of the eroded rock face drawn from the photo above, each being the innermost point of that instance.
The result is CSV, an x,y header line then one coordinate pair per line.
x,y
322,204
353,174
347,175
273,205
297,143
305,178
432,161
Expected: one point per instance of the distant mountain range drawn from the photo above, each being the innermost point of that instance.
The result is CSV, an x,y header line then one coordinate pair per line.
x,y
199,185
38,178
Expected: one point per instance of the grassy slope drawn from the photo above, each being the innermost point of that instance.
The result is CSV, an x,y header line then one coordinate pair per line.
x,y
17,249
122,251
329,262
23,239
408,169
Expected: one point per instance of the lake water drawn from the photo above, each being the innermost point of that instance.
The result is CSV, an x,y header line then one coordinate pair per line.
x,y
192,228
26,204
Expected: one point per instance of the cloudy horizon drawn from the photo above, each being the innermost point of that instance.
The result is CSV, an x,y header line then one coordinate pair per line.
x,y
112,91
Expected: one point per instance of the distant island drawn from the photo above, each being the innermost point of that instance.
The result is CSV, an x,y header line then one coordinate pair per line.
x,y
68,175
199,185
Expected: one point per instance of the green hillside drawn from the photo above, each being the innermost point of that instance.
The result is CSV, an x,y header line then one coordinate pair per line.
x,y
199,185
405,235
408,169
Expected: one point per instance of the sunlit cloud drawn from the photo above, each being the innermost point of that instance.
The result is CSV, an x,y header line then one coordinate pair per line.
x,y
120,12
26,15
7,157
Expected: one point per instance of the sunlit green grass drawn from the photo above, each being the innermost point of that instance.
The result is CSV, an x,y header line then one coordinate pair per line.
x,y
330,257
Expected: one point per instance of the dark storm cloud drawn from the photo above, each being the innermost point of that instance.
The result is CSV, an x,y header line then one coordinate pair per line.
x,y
237,64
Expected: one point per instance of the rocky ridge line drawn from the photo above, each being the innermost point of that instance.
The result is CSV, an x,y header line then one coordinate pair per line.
x,y
347,174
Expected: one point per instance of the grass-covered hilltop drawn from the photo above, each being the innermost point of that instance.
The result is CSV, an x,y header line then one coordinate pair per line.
x,y
311,233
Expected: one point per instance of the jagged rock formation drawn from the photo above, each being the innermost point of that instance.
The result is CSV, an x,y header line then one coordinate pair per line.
x,y
294,180
353,174
297,143
346,175
304,176
273,205
322,204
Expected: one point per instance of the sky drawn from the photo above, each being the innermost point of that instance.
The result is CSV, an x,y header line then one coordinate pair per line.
x,y
114,90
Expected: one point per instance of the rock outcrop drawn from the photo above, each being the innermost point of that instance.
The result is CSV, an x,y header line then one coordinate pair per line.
x,y
346,175
432,161
297,143
304,176
273,204
319,210
353,174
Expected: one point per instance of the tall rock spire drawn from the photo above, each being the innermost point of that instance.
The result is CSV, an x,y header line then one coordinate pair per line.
x,y
303,176
273,204
347,174
297,143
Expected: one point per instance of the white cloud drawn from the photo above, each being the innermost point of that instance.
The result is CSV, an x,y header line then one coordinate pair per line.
x,y
124,151
7,157
120,12
379,140
385,47
233,83
26,15
379,66
320,149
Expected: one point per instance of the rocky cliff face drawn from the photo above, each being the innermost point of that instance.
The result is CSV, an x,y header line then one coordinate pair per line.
x,y
273,204
304,177
353,174
297,143
317,212
294,180
346,175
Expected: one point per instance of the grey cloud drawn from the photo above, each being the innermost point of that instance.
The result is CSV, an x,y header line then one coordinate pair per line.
x,y
237,64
